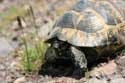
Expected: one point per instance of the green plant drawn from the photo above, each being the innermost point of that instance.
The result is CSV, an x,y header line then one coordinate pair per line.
x,y
87,74
32,50
31,59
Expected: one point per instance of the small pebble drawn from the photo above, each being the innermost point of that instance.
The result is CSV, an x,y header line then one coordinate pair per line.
x,y
20,80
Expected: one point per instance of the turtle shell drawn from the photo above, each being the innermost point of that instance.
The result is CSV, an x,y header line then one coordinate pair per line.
x,y
91,23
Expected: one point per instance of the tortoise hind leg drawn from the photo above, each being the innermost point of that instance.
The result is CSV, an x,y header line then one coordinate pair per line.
x,y
79,58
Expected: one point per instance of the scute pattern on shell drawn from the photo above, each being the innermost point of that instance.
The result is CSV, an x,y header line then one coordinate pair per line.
x,y
91,23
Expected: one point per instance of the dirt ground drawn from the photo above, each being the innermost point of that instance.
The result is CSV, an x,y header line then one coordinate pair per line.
x,y
46,12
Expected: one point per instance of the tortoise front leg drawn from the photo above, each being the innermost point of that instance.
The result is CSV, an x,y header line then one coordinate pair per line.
x,y
79,58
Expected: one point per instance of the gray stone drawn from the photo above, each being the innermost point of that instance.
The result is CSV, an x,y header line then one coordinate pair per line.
x,y
20,80
121,65
5,47
119,80
45,29
95,80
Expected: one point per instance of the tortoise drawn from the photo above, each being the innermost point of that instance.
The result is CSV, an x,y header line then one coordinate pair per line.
x,y
86,32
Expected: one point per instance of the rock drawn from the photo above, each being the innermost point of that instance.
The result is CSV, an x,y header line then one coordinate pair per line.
x,y
9,79
15,65
2,76
2,67
45,29
65,80
119,80
20,80
121,65
95,80
104,72
53,81
5,47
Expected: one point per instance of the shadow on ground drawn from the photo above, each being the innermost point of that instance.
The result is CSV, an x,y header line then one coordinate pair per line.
x,y
61,69
67,69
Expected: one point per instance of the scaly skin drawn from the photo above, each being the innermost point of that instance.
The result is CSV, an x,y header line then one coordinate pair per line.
x,y
96,24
